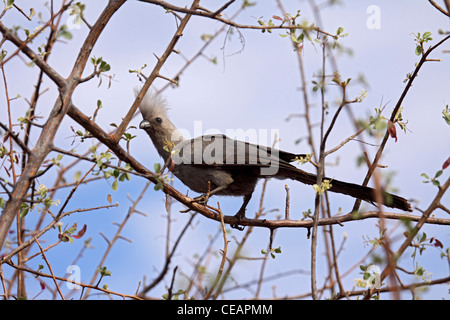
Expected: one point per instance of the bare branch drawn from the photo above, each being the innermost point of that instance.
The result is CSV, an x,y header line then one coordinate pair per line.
x,y
60,108
437,6
213,15
394,113
155,73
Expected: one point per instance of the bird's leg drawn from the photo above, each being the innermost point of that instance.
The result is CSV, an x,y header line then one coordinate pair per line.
x,y
241,213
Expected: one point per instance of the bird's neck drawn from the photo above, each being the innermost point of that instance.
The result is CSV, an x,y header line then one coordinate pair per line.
x,y
166,144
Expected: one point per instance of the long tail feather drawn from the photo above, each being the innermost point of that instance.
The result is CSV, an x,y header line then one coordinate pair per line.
x,y
354,190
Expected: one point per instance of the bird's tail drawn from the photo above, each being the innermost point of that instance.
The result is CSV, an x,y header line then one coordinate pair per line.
x,y
354,190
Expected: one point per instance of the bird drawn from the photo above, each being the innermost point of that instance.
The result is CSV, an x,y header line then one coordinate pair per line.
x,y
215,164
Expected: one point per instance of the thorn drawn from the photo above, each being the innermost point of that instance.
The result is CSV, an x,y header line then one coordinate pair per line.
x,y
168,79
126,239
104,237
156,57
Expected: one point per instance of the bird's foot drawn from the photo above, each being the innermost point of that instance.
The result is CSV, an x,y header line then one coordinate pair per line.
x,y
203,199
238,216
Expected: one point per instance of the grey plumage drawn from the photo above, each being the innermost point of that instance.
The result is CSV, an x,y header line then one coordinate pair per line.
x,y
224,166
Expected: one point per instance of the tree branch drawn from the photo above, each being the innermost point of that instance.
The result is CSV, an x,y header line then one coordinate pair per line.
x,y
45,142
412,234
447,3
394,113
155,73
215,16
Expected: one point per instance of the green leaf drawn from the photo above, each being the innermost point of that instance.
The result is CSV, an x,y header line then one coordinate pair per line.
x,y
425,176
158,186
293,38
108,173
64,32
104,66
157,167
24,212
418,50
77,175
116,173
124,176
424,237
445,112
72,229
63,237
247,3
3,54
104,271
308,36
99,163
48,202
128,136
115,185
419,271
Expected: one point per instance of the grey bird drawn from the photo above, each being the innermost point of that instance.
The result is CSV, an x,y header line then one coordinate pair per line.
x,y
217,165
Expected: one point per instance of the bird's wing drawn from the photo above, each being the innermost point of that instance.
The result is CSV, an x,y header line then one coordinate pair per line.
x,y
219,150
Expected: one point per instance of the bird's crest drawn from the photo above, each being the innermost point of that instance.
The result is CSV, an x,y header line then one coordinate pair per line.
x,y
153,104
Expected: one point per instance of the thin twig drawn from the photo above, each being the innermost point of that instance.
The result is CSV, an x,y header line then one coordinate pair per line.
x,y
170,289
212,15
224,258
49,268
41,274
154,74
394,113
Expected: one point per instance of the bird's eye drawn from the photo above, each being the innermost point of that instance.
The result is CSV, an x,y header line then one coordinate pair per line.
x,y
158,120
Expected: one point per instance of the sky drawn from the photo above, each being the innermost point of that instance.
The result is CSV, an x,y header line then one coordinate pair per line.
x,y
254,85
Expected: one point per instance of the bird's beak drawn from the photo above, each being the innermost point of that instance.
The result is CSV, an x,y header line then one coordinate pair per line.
x,y
145,124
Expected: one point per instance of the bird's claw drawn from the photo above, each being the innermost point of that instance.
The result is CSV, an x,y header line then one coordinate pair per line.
x,y
203,199
238,216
